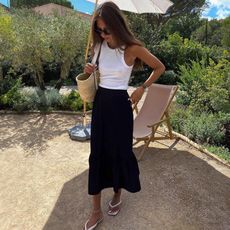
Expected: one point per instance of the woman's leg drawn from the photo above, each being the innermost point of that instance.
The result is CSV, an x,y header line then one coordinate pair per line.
x,y
115,203
116,197
96,212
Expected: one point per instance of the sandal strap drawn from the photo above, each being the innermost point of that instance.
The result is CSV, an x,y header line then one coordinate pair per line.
x,y
113,213
86,225
94,226
115,205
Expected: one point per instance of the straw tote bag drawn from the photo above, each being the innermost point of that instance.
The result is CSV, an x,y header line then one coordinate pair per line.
x,y
88,83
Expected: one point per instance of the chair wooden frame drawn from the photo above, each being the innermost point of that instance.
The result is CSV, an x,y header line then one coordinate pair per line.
x,y
165,118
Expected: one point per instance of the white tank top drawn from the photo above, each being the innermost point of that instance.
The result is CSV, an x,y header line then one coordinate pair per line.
x,y
114,72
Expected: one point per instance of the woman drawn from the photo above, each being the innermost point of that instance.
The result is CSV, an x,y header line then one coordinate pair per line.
x,y
112,162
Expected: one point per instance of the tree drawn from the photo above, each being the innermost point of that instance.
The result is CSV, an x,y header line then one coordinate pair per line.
x,y
209,33
225,32
31,45
68,37
184,25
214,32
7,37
182,17
33,3
179,8
43,41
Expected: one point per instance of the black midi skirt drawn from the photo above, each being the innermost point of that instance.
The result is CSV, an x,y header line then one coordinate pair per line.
x,y
112,162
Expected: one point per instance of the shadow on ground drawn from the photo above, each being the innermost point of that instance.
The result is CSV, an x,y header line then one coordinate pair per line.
x,y
32,131
179,192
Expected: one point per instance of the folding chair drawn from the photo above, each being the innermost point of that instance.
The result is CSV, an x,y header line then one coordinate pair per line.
x,y
152,114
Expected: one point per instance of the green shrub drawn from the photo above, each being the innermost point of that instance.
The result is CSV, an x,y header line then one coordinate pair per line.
x,y
48,99
173,52
139,77
6,84
222,152
30,98
202,128
213,100
36,99
217,53
189,74
73,102
10,94
168,78
205,128
205,89
176,51
178,117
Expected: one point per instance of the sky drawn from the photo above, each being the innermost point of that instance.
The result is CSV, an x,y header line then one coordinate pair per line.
x,y
217,8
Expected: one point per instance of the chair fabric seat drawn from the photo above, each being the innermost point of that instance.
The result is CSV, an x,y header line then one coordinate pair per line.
x,y
141,131
153,111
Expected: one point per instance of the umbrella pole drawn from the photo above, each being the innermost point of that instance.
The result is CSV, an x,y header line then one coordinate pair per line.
x,y
84,113
90,34
86,57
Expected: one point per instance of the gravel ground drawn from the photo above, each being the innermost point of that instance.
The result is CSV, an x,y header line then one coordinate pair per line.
x,y
43,182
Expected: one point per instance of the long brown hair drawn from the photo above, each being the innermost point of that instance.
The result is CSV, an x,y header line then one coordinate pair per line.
x,y
116,23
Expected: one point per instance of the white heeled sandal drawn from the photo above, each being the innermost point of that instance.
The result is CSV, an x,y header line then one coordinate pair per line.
x,y
111,212
96,224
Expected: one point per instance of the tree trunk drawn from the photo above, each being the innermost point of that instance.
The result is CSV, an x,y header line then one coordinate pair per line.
x,y
65,67
59,84
41,80
37,81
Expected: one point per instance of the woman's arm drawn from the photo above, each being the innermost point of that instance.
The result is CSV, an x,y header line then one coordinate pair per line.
x,y
149,59
90,67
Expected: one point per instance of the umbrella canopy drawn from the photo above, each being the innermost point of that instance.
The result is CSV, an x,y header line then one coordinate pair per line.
x,y
140,6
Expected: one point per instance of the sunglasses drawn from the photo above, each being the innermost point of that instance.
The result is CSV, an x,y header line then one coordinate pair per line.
x,y
100,31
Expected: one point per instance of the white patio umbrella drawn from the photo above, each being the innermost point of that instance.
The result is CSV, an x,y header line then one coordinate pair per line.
x,y
140,6
83,132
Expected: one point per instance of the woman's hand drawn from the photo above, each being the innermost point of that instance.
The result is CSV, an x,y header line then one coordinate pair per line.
x,y
89,68
137,95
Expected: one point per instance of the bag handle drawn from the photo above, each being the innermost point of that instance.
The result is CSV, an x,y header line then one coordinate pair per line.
x,y
97,63
98,55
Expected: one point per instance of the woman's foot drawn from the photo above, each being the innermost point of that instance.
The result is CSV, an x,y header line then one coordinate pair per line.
x,y
95,218
114,205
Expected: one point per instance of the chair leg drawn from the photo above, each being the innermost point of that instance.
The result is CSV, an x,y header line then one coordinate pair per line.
x,y
143,149
136,142
169,125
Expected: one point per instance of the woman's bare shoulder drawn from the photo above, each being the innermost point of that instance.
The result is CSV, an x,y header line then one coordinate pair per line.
x,y
135,50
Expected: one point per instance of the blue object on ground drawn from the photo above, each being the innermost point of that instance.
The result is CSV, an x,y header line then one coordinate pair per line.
x,y
80,132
